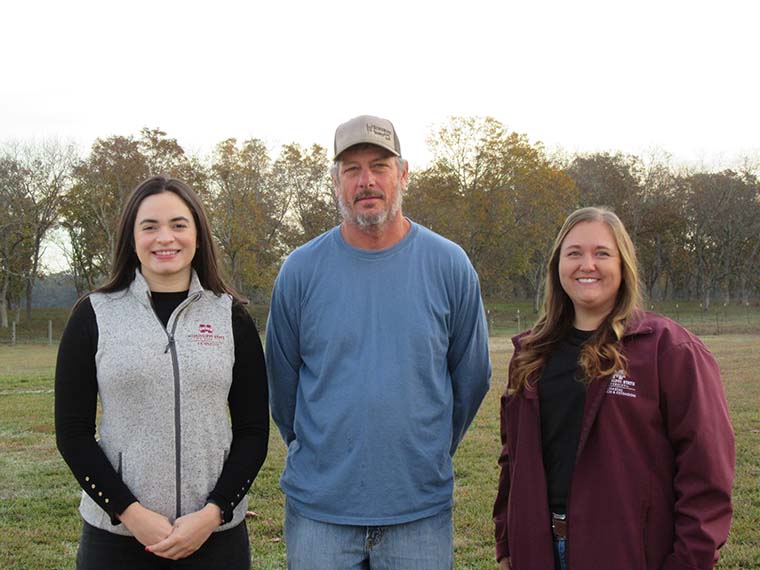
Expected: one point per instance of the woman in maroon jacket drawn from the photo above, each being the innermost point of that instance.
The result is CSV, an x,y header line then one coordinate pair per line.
x,y
618,448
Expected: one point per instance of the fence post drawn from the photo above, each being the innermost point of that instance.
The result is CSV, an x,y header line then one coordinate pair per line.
x,y
519,327
746,312
50,332
13,334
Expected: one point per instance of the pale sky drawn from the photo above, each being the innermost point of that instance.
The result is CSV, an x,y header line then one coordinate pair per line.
x,y
584,75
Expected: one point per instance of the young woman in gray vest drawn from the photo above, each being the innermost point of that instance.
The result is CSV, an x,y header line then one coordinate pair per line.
x,y
170,349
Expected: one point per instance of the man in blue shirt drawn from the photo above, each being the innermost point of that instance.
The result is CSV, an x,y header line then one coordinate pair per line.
x,y
377,350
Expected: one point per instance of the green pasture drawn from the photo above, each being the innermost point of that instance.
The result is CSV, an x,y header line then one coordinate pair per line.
x,y
39,523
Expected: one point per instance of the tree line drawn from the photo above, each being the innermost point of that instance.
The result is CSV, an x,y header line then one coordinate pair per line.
x,y
501,197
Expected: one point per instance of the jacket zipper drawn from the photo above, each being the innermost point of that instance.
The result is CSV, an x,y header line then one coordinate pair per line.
x,y
171,347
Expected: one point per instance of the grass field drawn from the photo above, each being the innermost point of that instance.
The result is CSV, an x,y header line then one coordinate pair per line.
x,y
39,523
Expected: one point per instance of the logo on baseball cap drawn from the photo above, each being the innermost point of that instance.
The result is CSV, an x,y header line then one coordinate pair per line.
x,y
366,129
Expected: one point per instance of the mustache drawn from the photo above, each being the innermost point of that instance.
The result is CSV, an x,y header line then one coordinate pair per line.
x,y
368,194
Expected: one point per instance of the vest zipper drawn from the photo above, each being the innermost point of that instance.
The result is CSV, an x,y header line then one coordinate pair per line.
x,y
172,348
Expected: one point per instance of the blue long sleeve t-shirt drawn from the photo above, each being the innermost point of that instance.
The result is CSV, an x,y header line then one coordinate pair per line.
x,y
378,362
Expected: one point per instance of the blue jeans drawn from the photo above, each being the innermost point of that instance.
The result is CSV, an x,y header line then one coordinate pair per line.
x,y
425,544
560,553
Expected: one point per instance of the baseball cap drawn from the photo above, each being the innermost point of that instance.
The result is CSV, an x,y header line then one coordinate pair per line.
x,y
366,129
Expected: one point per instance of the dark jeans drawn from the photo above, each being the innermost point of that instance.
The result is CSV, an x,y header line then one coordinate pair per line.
x,y
560,553
100,550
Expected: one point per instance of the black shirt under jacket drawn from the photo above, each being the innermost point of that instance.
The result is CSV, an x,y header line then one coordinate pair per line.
x,y
562,395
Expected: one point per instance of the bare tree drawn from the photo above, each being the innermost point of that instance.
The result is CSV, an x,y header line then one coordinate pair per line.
x,y
723,232
15,235
44,177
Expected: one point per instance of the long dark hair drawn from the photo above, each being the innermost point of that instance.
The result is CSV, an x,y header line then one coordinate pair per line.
x,y
205,262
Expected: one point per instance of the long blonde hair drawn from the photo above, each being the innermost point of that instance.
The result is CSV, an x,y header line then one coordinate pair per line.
x,y
601,354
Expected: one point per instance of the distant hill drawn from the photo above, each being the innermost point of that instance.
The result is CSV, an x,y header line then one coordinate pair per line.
x,y
54,290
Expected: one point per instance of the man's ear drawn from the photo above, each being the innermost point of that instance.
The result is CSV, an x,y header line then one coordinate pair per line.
x,y
405,175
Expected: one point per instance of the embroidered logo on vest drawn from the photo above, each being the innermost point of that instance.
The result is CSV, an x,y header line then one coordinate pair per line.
x,y
205,336
622,386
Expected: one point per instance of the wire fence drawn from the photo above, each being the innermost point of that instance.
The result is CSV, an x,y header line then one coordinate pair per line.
x,y
724,319
503,319
18,334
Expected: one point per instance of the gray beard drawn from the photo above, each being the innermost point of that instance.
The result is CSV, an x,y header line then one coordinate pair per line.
x,y
371,221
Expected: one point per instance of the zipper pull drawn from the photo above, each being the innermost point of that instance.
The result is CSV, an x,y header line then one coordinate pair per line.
x,y
168,346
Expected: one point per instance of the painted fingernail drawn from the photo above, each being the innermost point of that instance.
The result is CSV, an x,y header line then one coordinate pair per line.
x,y
147,549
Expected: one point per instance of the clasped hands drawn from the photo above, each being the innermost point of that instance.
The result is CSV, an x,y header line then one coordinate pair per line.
x,y
160,537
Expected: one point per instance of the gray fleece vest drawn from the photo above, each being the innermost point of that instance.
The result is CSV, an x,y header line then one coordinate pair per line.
x,y
164,424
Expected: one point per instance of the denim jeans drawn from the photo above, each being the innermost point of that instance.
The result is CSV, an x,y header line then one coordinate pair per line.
x,y
425,544
100,550
560,553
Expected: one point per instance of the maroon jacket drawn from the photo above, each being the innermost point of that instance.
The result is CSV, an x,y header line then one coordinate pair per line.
x,y
651,488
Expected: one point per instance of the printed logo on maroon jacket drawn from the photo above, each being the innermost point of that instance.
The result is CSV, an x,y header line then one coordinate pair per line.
x,y
620,385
